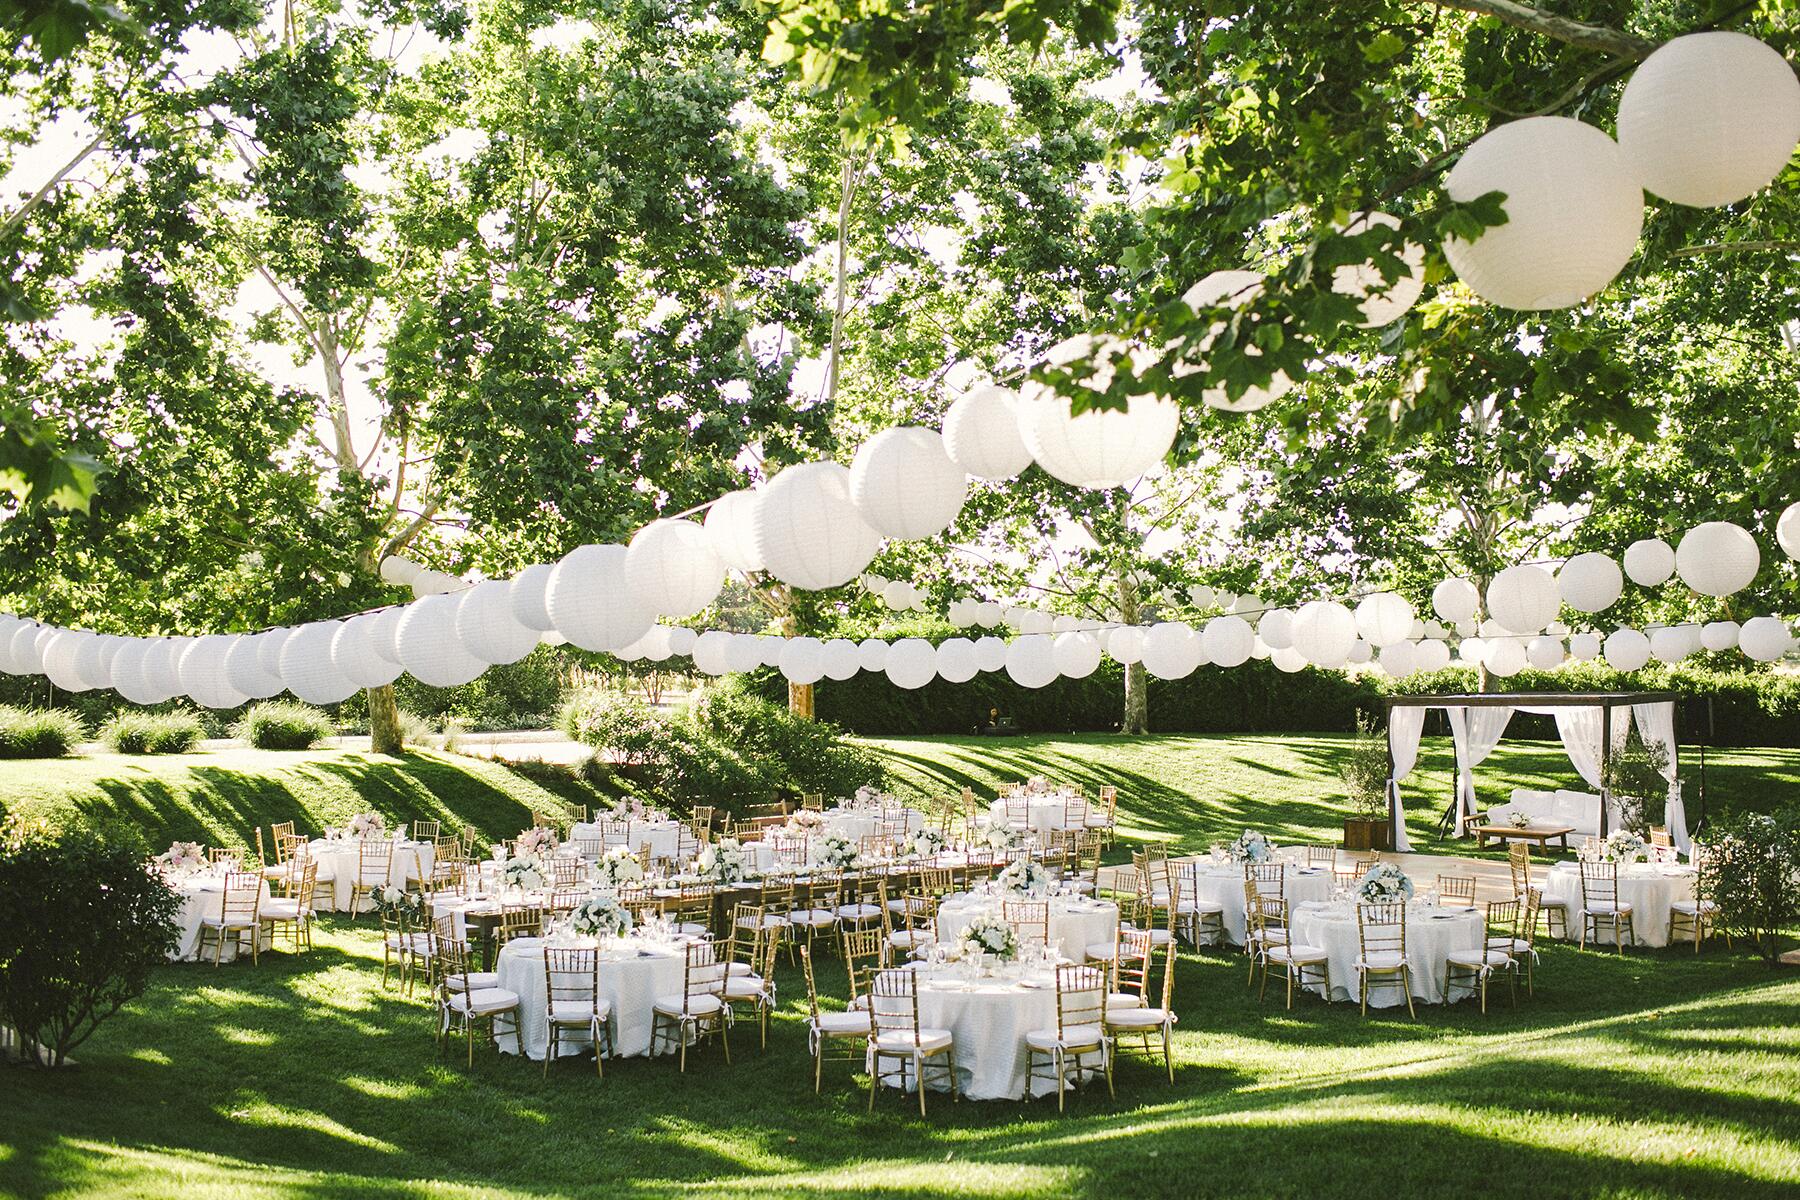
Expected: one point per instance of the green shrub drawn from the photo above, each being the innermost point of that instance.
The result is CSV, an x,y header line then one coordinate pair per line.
x,y
803,755
39,732
284,725
630,731
151,733
1750,867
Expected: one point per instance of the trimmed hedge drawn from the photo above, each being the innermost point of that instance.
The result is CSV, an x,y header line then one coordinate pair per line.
x,y
151,733
38,732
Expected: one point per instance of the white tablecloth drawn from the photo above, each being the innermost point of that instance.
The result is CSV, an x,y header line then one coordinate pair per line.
x,y
1075,923
631,983
338,862
1223,884
203,896
1046,813
1431,934
1648,889
857,823
663,836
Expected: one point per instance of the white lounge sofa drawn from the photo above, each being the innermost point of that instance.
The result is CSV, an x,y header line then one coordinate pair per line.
x,y
1580,811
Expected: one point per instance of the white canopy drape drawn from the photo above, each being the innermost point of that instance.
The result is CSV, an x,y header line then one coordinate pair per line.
x,y
1476,733
1404,728
1656,725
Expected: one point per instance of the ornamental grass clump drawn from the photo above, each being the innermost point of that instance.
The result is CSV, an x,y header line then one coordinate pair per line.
x,y
39,732
284,725
151,733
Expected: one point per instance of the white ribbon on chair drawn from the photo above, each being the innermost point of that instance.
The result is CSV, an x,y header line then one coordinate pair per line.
x,y
1405,725
1476,734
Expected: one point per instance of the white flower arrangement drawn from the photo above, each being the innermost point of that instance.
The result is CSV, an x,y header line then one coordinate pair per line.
x,y
1384,883
538,841
525,872
370,826
997,837
1251,846
835,851
723,862
397,901
1521,820
601,915
1025,878
1622,846
865,793
805,821
183,856
926,842
618,866
989,935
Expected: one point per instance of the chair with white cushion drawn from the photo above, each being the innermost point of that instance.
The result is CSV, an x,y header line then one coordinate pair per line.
x,y
913,928
1131,970
1381,961
293,913
1079,1035
1105,816
859,902
1260,936
461,1003
697,1011
240,908
1524,946
1601,907
750,975
1495,954
1143,1020
374,866
854,1028
1290,959
572,1000
1694,920
900,1038
815,908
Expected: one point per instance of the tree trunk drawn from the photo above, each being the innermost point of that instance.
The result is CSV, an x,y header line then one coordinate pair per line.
x,y
800,695
1137,681
384,721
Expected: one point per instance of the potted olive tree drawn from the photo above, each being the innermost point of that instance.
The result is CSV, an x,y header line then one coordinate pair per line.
x,y
1364,771
1634,778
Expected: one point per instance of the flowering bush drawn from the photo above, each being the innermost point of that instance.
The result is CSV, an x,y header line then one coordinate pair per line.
x,y
1251,846
182,856
538,841
1025,877
989,935
723,862
601,915
367,825
926,842
1384,883
525,872
618,866
834,850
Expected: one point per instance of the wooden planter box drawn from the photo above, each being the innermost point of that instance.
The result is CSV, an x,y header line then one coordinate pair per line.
x,y
1367,835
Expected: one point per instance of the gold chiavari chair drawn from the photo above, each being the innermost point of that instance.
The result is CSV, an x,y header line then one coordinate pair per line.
x,y
406,949
374,865
1362,860
853,1027
590,848
813,802
517,921
1494,954
564,901
698,1011
1143,1020
1456,891
1554,914
572,1000
294,912
752,981
703,819
1322,856
815,906
1660,840
1261,935
1381,933
615,833
936,882
1106,817
240,908
1293,960
901,1037
295,855
913,927
1080,1030
1018,811
646,856
567,872
1134,953
865,954
1270,879
1601,906
426,831
228,855
971,809
462,998
1204,919
1697,917
447,875
448,847
1075,813
639,900
691,909
1084,867
859,901
876,847
1030,920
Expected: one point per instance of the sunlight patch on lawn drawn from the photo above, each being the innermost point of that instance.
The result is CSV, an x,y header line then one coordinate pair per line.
x,y
383,1089
956,1177
247,1037
151,1055
744,1152
118,1172
261,1112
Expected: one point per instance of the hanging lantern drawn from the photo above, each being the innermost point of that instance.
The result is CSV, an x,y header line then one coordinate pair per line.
x,y
1324,631
1590,582
957,661
1231,289
743,653
592,602
244,670
911,663
1668,644
1076,655
1584,647
1544,653
768,649
990,653
1719,635
1649,562
203,675
1455,599
981,434
60,654
1099,448
672,567
709,652
1717,558
809,534
1627,650
731,528
1289,661
1710,118
130,679
871,654
1505,657
486,626
1787,531
1382,302
1172,650
1362,652
1523,599
1227,641
398,571
1382,618
841,659
1126,645
428,647
1276,629
905,485
1765,639
803,660
1399,659
306,666
1431,655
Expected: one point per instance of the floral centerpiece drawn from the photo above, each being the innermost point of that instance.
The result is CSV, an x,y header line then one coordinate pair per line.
x,y
835,851
723,862
393,901
601,915
1251,846
537,841
371,826
865,794
806,821
182,856
926,842
997,837
1384,883
1025,877
988,935
1521,820
1622,846
618,866
1037,783
524,872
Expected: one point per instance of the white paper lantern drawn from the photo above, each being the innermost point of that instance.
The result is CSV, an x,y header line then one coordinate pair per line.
x,y
1523,599
1383,619
1544,653
1362,652
129,677
1472,650
306,667
1227,641
682,639
1584,647
809,533
710,652
1232,289
981,434
1590,582
1276,629
1202,597
743,653
961,613
1717,558
244,671
1031,661
768,649
1431,655
1225,601
905,484
871,654
1399,659
987,615
428,647
9,625
1668,644
1126,645
1324,631
399,571
731,528
1505,657
162,664
990,653
486,626
1099,448
1288,661
672,567
911,663
1787,531
1382,302
1247,605
1649,562
1627,650
60,659
1719,635
803,660
203,676
1455,599
353,650
1765,639
26,653
841,659
1172,650
1033,621
1710,118
957,661
1064,624
591,601
1574,209
1077,655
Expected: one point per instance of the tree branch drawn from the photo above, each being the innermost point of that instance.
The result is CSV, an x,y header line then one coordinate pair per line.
x,y
1598,38
43,193
1785,247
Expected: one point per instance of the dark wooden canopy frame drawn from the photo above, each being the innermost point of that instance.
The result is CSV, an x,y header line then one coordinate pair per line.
x,y
1604,701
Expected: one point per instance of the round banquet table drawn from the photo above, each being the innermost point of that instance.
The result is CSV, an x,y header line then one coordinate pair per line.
x,y
632,975
1648,888
338,861
1076,922
1045,814
663,836
1223,884
1431,934
989,1020
857,824
202,896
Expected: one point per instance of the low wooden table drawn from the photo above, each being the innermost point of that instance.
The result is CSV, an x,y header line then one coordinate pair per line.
x,y
1541,834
